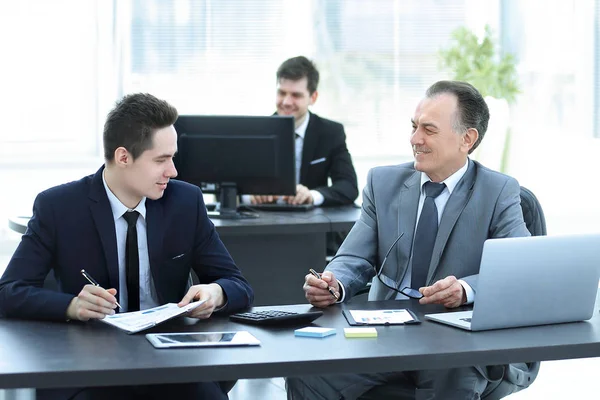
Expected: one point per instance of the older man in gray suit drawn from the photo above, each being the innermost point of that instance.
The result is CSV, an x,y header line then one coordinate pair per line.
x,y
471,204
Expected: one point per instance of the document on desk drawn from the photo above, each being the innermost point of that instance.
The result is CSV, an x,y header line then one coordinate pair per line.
x,y
137,321
380,317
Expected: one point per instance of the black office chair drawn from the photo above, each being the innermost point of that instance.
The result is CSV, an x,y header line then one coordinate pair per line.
x,y
532,213
520,374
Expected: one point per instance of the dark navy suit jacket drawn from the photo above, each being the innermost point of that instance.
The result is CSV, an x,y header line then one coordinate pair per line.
x,y
72,228
325,155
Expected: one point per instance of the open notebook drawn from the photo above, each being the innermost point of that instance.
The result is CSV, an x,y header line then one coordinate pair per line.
x,y
137,321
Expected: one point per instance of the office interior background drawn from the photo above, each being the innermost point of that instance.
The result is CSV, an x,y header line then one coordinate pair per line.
x,y
65,63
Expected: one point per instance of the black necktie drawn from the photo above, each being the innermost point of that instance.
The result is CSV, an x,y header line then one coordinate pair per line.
x,y
425,236
132,262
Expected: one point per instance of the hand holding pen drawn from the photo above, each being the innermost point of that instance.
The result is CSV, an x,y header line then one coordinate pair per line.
x,y
329,288
93,302
93,282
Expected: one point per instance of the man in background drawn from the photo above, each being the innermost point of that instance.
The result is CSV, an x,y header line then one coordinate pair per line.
x,y
136,232
321,151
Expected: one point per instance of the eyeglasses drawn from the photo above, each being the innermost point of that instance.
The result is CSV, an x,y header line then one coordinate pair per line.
x,y
407,291
410,292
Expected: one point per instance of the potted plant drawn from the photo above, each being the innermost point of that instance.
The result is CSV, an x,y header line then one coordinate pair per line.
x,y
476,61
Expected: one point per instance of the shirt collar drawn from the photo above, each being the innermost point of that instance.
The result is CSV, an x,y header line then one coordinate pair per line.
x,y
450,181
118,208
301,130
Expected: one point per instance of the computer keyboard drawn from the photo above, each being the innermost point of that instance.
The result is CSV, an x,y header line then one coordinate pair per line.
x,y
277,207
275,317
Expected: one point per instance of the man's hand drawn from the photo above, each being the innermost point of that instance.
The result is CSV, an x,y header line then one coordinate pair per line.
x,y
212,293
303,196
260,199
92,302
316,290
447,291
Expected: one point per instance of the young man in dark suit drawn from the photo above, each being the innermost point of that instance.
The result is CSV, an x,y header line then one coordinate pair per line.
x,y
91,224
321,151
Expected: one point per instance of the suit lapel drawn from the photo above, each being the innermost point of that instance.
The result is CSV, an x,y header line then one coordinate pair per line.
x,y
311,141
155,237
408,203
105,224
454,207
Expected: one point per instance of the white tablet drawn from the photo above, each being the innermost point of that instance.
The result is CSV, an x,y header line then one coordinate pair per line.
x,y
201,339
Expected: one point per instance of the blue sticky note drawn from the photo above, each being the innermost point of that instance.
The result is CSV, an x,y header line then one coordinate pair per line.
x,y
316,332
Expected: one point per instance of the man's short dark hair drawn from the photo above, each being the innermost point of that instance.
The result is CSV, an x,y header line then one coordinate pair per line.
x,y
473,111
133,123
297,68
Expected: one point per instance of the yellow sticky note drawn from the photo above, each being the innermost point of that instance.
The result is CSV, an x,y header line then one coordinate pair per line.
x,y
360,332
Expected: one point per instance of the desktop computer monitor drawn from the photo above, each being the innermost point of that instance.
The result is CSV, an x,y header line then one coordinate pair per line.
x,y
231,155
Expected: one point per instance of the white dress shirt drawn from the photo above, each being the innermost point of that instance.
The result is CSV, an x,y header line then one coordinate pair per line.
x,y
301,132
148,295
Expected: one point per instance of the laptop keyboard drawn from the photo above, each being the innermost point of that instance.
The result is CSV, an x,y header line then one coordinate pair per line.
x,y
277,207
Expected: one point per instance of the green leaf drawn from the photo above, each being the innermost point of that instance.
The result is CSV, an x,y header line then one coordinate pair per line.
x,y
477,62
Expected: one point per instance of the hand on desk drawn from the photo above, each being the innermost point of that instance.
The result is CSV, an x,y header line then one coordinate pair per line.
x,y
212,293
447,291
303,196
261,199
92,302
317,292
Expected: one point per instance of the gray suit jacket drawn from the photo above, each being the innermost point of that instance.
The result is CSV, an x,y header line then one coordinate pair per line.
x,y
485,204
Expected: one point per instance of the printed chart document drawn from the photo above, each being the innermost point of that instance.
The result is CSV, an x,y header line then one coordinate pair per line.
x,y
137,321
380,317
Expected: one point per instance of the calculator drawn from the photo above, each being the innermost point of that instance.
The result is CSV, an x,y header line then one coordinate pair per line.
x,y
275,317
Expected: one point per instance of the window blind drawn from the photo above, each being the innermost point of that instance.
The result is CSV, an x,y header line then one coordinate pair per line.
x,y
48,80
376,58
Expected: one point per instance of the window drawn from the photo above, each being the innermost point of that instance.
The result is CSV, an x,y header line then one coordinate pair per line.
x,y
554,45
49,81
206,57
596,72
220,57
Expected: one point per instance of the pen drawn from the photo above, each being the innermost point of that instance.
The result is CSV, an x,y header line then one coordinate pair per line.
x,y
318,276
93,282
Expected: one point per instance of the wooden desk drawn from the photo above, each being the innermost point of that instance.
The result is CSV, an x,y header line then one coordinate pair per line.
x,y
275,250
46,355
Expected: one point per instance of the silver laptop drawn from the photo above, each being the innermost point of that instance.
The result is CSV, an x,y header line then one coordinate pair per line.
x,y
532,281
